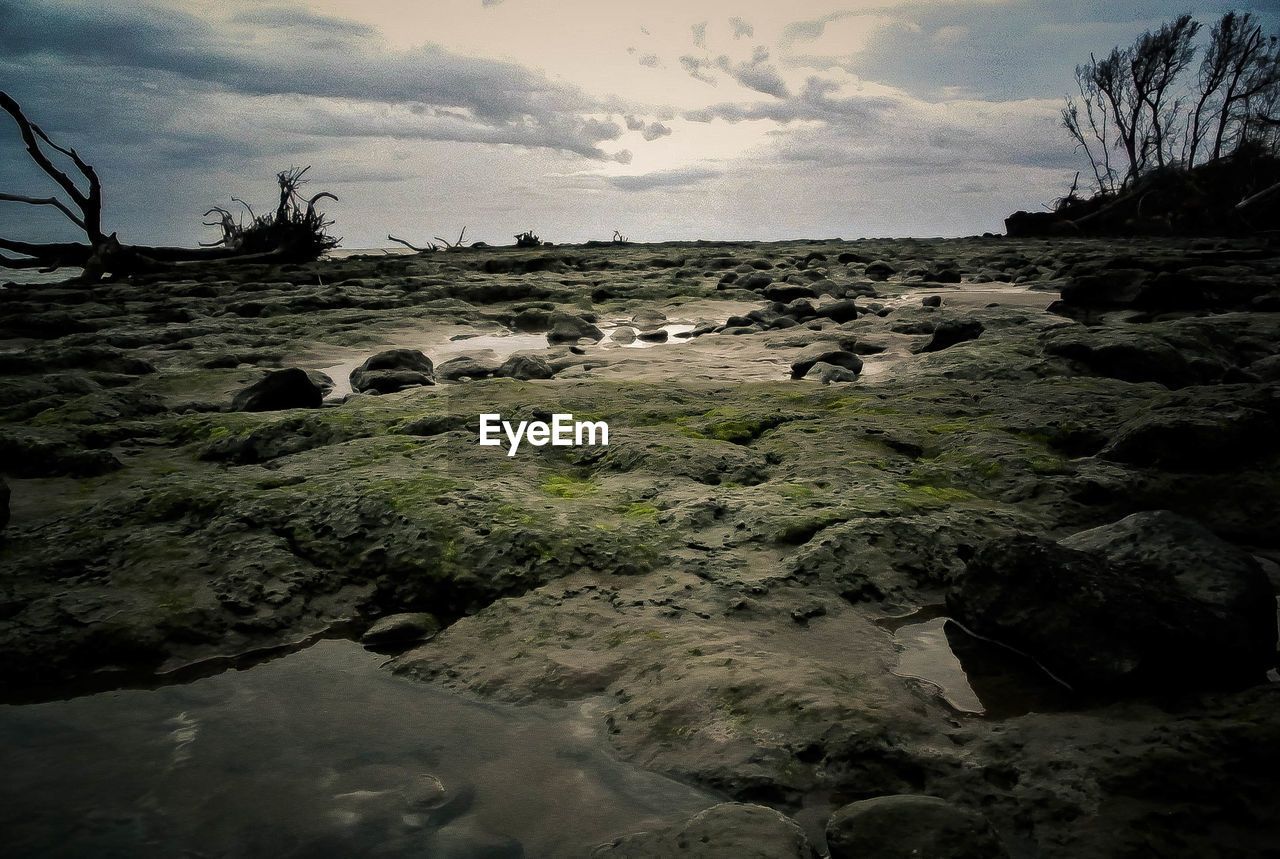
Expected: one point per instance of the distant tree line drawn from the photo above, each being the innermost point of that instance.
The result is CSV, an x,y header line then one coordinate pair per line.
x,y
1148,107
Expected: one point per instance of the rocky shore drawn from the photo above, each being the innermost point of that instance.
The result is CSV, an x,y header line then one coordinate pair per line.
x,y
1065,446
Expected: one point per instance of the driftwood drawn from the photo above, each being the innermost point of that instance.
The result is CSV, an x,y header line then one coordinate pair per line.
x,y
291,232
432,247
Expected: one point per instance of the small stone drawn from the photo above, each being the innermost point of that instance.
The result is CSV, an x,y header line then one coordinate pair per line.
x,y
400,628
828,373
931,301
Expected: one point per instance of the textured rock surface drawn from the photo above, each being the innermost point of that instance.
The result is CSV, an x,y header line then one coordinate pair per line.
x,y
727,831
391,371
281,389
717,588
904,826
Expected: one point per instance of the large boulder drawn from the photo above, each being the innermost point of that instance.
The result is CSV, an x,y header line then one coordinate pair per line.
x,y
391,371
824,352
279,389
526,367
731,830
844,310
1151,601
949,332
906,826
1188,442
466,367
567,328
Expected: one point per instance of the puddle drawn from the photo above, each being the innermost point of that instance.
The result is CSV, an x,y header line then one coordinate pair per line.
x,y
494,347
318,753
674,336
971,675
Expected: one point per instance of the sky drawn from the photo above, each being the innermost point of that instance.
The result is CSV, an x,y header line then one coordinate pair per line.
x,y
664,120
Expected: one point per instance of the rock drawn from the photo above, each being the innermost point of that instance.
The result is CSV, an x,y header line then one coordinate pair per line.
x,y
756,280
1134,356
931,301
26,456
1267,369
659,335
840,311
624,335
466,367
649,318
1193,441
392,370
952,331
525,367
785,292
321,381
907,826
567,328
1152,601
880,270
798,309
1022,225
731,830
531,319
828,373
827,352
279,389
400,629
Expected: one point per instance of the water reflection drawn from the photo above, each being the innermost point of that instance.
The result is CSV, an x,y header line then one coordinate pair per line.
x,y
318,753
972,675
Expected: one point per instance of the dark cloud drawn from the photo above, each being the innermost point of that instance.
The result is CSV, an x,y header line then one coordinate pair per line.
x,y
699,34
758,74
663,179
634,123
656,130
506,102
296,18
1010,50
741,28
698,67
650,60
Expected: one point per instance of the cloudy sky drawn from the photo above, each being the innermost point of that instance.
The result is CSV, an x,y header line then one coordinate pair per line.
x,y
666,119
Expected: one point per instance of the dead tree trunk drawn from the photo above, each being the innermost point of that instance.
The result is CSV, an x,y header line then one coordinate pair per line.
x,y
290,233
87,214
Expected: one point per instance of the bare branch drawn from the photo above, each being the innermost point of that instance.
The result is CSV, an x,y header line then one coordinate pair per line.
x,y
412,247
44,201
89,204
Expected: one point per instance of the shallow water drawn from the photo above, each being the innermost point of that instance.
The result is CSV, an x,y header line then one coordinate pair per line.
x,y
971,675
318,753
492,346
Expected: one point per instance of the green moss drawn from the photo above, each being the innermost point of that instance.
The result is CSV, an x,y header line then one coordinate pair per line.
x,y
795,491
637,510
737,432
925,495
568,486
